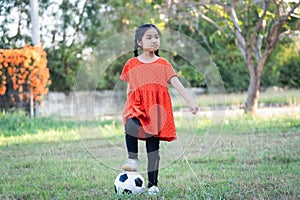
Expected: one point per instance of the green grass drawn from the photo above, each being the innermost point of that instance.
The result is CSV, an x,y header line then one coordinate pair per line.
x,y
289,98
48,158
285,97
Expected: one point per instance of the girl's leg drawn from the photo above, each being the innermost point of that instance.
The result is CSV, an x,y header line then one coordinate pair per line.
x,y
152,146
131,130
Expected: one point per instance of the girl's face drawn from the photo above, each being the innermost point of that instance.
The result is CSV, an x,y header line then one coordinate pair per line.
x,y
150,40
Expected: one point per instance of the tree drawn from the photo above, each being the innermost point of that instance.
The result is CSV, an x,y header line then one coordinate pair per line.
x,y
256,25
34,16
258,39
13,22
70,30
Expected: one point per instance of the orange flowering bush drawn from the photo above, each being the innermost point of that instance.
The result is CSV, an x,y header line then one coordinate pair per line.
x,y
24,70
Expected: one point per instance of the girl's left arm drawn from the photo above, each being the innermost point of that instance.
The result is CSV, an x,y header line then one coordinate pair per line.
x,y
175,82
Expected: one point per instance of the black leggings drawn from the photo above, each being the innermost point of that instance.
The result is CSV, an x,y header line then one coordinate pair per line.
x,y
152,146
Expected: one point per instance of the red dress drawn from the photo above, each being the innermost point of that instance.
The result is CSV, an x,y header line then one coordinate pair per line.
x,y
149,99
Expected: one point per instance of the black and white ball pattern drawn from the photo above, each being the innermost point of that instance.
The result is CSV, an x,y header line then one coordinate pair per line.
x,y
129,183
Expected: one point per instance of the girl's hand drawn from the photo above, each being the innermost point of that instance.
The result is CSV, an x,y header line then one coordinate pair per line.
x,y
193,107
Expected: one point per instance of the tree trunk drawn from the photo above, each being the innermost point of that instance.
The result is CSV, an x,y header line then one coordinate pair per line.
x,y
253,94
254,85
255,72
34,14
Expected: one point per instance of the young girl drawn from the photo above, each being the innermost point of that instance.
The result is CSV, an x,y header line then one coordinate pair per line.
x,y
148,112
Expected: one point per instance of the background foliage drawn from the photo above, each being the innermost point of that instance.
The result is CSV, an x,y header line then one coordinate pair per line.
x,y
23,71
70,30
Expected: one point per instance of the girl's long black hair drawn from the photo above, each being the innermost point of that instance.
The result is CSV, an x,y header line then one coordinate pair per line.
x,y
139,33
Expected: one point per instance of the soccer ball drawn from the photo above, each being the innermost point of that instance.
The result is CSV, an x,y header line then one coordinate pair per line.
x,y
129,183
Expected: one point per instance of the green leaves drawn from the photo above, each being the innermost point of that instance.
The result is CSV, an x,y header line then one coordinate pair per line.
x,y
68,28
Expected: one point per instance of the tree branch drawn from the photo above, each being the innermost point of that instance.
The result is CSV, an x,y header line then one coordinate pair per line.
x,y
256,36
291,12
275,29
258,47
202,15
240,39
211,21
258,26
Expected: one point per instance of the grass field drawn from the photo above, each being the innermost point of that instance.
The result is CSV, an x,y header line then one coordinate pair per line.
x,y
238,158
269,98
